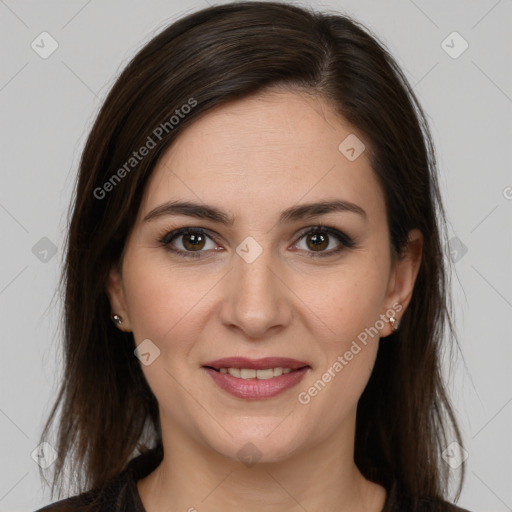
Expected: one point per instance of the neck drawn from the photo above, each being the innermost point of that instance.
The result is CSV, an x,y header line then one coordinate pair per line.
x,y
192,477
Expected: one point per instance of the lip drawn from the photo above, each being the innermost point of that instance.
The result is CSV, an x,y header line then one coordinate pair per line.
x,y
256,364
256,389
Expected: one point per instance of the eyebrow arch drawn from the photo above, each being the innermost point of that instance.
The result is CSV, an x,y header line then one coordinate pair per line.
x,y
292,214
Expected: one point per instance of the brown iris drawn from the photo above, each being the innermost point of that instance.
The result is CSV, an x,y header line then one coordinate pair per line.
x,y
319,240
196,241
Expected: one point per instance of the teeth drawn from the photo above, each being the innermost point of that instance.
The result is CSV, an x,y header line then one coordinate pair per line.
x,y
250,373
247,374
234,372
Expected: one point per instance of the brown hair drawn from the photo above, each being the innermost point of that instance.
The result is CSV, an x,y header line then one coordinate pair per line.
x,y
108,412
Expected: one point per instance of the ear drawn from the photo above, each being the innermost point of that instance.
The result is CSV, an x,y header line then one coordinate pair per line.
x,y
403,276
116,295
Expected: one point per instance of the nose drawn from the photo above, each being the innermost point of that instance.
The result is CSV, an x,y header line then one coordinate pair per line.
x,y
256,299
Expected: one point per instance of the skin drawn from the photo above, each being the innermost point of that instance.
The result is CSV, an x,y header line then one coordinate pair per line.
x,y
254,158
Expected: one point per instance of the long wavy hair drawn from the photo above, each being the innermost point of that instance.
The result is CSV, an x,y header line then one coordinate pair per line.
x,y
108,413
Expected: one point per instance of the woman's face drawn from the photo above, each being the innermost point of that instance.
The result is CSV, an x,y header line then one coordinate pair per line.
x,y
264,285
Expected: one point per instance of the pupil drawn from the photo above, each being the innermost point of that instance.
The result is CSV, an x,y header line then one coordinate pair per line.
x,y
315,238
193,240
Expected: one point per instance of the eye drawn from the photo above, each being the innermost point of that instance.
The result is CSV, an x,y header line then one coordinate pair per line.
x,y
319,238
193,242
190,242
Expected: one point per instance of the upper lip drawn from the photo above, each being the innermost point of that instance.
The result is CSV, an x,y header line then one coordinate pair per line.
x,y
256,364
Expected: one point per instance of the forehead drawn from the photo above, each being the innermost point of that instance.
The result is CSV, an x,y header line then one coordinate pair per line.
x,y
271,149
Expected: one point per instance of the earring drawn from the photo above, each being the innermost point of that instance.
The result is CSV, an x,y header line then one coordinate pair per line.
x,y
117,319
395,322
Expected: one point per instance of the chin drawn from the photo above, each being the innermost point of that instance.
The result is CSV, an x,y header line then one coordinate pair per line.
x,y
255,444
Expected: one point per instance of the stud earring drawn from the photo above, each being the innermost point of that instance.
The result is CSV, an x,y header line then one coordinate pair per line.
x,y
117,319
395,323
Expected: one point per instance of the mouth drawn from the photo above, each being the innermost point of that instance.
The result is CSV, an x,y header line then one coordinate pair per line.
x,y
256,379
251,373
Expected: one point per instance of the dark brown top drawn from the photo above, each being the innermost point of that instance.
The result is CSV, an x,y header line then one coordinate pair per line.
x,y
121,495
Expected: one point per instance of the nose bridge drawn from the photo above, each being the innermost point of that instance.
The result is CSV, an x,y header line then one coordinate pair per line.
x,y
256,299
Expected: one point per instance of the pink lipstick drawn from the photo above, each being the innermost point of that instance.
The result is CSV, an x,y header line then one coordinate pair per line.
x,y
255,379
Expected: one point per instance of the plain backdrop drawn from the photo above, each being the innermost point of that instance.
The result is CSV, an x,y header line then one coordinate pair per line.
x,y
47,107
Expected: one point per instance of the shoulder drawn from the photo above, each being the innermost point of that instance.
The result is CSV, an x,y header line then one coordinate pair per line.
x,y
400,501
78,503
428,505
111,498
120,495
441,506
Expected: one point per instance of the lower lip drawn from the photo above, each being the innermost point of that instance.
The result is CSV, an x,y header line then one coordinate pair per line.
x,y
256,389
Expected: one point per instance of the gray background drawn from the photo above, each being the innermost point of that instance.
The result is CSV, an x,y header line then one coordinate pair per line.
x,y
48,105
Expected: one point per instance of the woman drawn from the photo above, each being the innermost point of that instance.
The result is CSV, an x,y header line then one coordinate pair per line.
x,y
258,213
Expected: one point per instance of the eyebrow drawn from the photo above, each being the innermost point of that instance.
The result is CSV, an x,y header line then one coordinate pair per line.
x,y
214,214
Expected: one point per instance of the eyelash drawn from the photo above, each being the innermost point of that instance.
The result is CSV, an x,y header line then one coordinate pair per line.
x,y
346,242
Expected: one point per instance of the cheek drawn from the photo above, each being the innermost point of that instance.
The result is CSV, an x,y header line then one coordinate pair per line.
x,y
336,387
349,301
165,307
162,302
350,306
151,305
